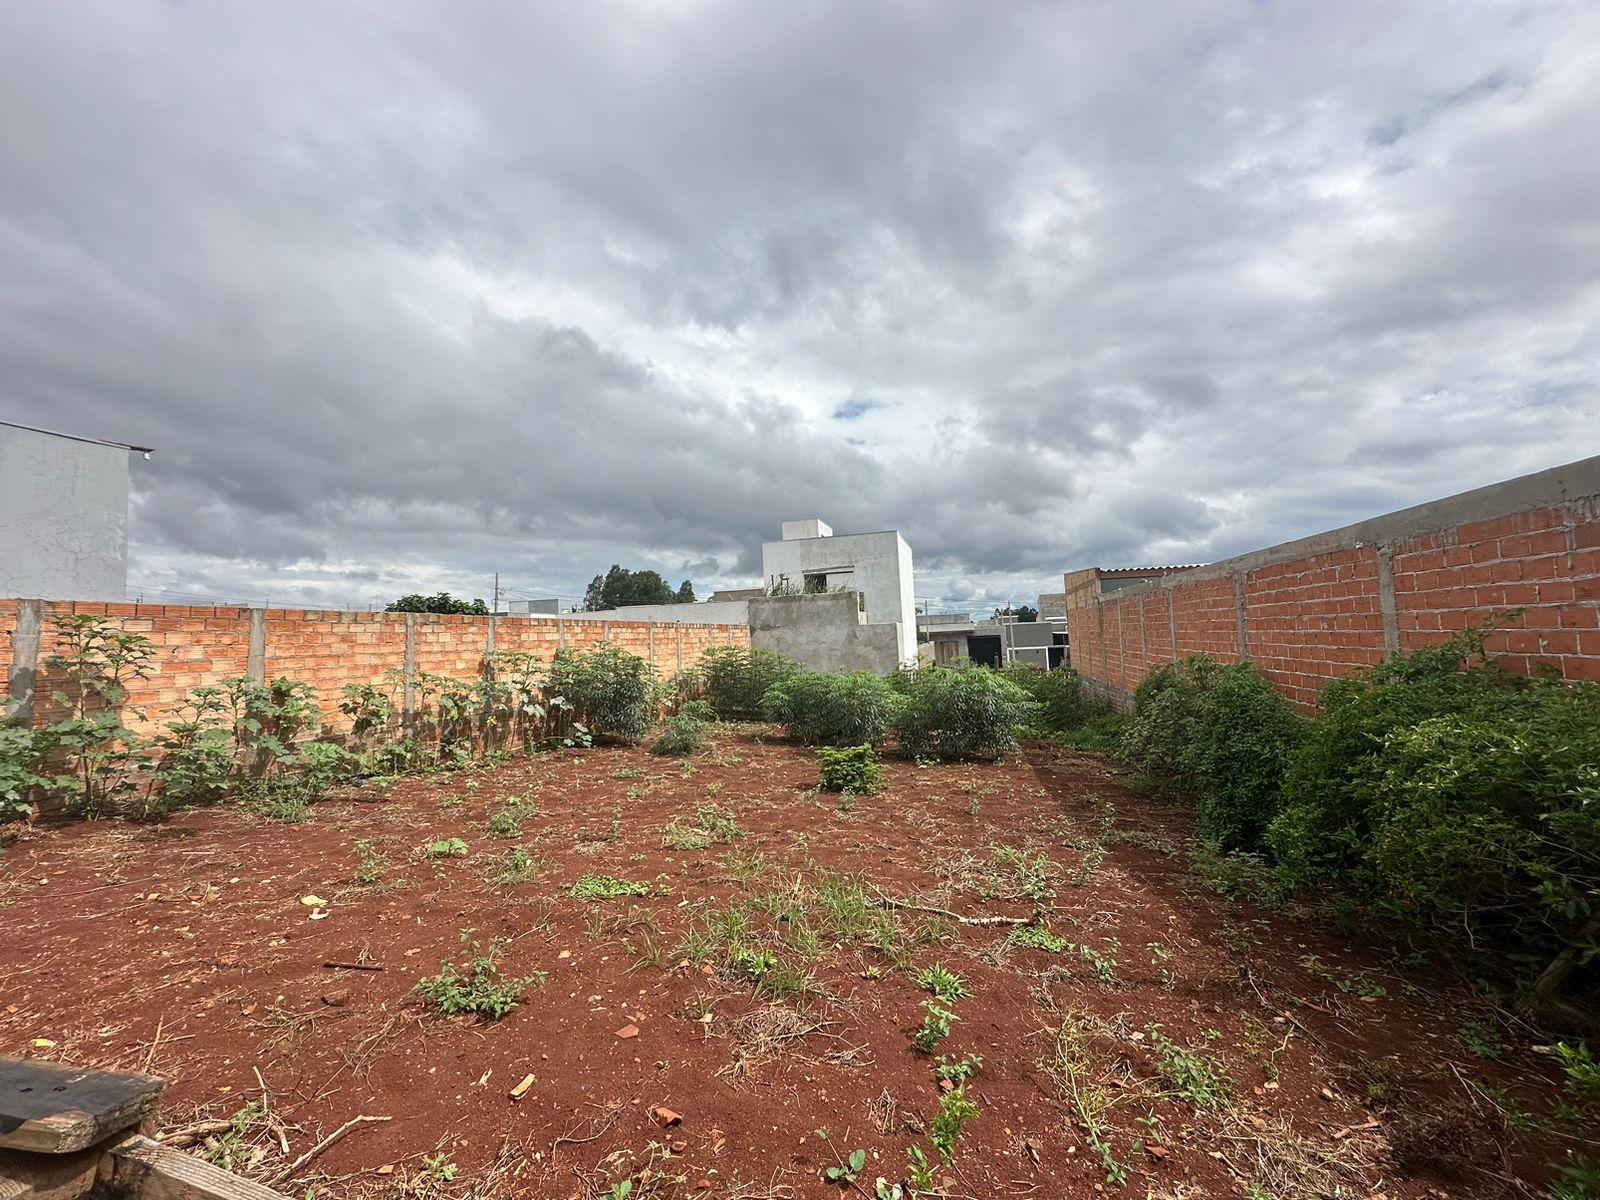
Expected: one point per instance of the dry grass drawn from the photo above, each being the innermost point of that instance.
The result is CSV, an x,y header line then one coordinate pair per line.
x,y
764,1034
1267,1154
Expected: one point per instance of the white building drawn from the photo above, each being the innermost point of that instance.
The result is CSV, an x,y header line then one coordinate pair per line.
x,y
63,515
812,558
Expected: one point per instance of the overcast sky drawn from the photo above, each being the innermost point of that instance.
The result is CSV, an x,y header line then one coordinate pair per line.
x,y
406,293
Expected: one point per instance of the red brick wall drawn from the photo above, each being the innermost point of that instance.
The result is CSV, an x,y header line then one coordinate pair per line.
x,y
193,646
1315,610
329,649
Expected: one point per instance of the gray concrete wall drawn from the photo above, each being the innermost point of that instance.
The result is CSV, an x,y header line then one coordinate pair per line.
x,y
881,570
63,517
825,633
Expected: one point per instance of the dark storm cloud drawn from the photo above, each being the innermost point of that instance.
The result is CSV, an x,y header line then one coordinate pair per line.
x,y
407,294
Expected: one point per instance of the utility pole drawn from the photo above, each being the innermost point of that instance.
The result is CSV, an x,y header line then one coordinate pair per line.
x,y
495,607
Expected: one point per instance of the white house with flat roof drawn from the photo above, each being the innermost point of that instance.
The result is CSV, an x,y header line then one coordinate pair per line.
x,y
812,558
63,515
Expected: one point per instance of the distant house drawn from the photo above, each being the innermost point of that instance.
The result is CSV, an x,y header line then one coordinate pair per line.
x,y
1088,585
63,515
999,641
812,558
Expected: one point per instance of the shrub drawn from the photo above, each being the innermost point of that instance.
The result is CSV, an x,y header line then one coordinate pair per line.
x,y
700,710
1102,734
1062,704
324,764
1460,795
1221,734
735,679
684,734
1492,824
1325,825
844,708
477,987
959,712
612,691
851,769
21,752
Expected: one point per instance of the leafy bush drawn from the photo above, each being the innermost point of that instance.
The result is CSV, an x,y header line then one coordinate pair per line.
x,y
959,712
852,769
1221,734
324,764
700,710
844,708
476,988
197,753
684,734
735,679
1061,702
1102,734
611,690
1326,824
21,752
95,663
1491,823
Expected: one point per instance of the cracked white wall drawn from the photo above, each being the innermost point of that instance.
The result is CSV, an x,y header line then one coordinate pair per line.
x,y
63,517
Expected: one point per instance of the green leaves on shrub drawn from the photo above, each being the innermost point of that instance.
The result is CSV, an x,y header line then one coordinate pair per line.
x,y
959,712
611,691
1062,705
851,769
477,987
843,708
1220,734
1437,783
734,679
684,734
21,755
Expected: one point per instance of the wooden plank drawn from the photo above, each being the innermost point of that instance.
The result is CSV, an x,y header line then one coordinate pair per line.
x,y
150,1171
25,1176
53,1108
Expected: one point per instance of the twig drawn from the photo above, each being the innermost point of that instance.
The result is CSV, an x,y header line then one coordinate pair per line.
x,y
288,1172
151,1057
335,965
266,1096
616,1113
891,902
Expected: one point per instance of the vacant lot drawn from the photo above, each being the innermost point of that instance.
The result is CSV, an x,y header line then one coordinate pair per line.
x,y
1139,1023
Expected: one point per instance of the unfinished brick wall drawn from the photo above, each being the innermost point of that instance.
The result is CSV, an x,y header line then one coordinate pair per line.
x,y
326,649
1327,606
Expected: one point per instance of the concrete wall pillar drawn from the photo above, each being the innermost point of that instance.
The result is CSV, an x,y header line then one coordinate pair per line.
x,y
1386,604
1239,617
24,678
410,670
256,655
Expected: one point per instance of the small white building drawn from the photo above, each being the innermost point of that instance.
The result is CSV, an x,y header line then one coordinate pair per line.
x,y
812,558
63,515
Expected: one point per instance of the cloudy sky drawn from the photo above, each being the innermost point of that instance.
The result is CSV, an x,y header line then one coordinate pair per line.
x,y
407,293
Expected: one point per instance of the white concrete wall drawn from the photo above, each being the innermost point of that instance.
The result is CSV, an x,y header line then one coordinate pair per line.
x,y
882,574
63,517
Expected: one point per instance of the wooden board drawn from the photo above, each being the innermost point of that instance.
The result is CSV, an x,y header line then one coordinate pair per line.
x,y
52,1108
150,1171
25,1176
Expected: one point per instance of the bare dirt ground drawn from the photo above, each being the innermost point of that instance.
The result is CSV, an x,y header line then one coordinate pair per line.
x,y
1177,1040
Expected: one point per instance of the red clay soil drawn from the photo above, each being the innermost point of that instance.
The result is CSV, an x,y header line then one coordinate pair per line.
x,y
185,948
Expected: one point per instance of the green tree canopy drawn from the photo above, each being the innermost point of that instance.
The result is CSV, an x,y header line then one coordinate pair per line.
x,y
620,587
444,602
1022,612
